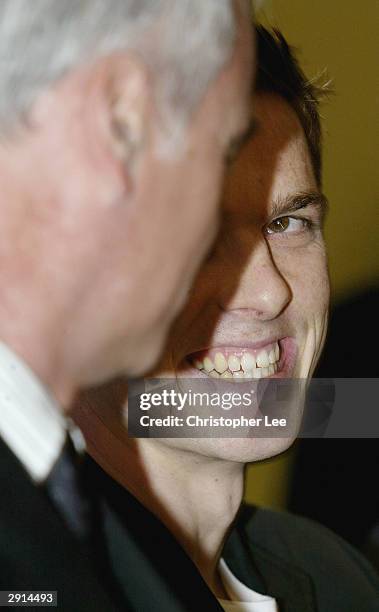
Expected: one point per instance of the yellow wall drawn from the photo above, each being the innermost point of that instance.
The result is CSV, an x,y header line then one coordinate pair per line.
x,y
267,481
341,36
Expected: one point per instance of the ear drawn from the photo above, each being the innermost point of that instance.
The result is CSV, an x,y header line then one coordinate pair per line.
x,y
129,104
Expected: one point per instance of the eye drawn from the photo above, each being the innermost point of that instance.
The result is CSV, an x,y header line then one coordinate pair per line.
x,y
286,225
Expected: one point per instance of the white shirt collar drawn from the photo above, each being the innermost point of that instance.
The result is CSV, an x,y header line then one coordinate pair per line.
x,y
243,599
31,422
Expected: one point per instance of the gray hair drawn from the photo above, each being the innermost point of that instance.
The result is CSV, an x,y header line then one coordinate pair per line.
x,y
184,43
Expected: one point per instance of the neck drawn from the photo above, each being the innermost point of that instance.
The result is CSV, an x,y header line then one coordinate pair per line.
x,y
195,496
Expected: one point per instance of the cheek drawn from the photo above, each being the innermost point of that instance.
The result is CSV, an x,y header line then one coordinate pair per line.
x,y
198,196
307,275
314,289
306,272
318,281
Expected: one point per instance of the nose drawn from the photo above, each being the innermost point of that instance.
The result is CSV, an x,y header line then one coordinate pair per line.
x,y
258,285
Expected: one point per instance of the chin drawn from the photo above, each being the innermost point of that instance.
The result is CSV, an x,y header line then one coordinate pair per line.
x,y
251,450
236,450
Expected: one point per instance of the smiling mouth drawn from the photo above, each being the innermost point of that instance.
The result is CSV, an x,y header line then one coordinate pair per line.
x,y
240,363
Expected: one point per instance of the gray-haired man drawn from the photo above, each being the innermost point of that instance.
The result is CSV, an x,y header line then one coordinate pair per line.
x,y
115,120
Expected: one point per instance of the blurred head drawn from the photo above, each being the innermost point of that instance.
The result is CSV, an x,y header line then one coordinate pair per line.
x,y
114,128
259,306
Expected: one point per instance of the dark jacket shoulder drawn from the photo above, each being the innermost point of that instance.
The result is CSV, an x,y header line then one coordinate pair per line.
x,y
340,577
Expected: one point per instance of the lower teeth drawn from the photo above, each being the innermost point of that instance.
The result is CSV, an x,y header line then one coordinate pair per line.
x,y
240,374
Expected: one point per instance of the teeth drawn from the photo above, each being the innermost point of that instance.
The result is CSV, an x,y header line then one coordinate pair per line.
x,y
247,362
238,377
234,363
239,374
247,366
220,363
254,373
263,360
226,374
208,365
214,374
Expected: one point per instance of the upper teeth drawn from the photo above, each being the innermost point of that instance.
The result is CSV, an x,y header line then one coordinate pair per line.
x,y
241,364
220,363
234,363
208,365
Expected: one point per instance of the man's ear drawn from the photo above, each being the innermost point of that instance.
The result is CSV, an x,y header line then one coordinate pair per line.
x,y
129,110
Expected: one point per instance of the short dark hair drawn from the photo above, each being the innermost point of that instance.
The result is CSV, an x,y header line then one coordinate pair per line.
x,y
278,72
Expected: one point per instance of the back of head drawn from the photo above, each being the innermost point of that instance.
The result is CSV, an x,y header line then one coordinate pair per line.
x,y
110,179
184,44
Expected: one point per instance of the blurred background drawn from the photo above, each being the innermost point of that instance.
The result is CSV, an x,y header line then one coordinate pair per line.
x,y
324,478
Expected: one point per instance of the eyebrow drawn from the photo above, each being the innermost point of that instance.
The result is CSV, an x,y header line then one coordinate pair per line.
x,y
299,201
240,140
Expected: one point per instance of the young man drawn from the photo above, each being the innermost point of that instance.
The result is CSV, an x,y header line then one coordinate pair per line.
x,y
106,109
173,526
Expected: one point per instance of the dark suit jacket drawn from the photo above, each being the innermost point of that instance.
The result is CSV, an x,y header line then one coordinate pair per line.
x,y
134,563
37,552
303,565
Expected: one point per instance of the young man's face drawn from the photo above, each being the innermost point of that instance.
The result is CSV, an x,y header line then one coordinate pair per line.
x,y
259,307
